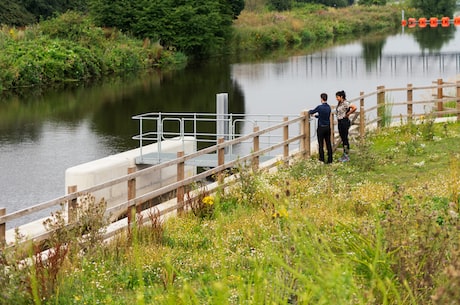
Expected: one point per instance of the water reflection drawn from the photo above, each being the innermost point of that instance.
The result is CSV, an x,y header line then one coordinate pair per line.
x,y
372,51
42,133
433,39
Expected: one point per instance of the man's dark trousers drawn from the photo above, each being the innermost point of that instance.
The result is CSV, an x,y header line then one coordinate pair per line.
x,y
324,135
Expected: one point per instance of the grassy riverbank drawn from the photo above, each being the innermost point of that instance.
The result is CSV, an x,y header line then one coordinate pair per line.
x,y
310,25
69,48
381,229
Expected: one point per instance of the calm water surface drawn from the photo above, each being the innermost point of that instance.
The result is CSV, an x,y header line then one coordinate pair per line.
x,y
44,133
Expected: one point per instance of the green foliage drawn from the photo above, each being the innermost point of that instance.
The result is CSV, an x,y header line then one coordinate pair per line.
x,y
71,48
435,8
44,9
12,13
372,2
330,3
75,27
196,27
237,6
113,13
280,5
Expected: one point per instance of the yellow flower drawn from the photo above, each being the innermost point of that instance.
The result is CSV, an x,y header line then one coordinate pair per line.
x,y
283,212
12,33
208,200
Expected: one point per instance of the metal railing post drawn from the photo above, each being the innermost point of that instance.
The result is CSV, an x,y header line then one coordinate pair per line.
x,y
140,139
159,136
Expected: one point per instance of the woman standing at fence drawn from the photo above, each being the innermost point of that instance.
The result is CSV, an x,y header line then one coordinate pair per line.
x,y
344,109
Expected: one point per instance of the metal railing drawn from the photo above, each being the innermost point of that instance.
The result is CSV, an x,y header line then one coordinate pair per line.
x,y
205,129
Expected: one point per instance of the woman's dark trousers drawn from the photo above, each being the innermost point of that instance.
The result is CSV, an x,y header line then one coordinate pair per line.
x,y
344,126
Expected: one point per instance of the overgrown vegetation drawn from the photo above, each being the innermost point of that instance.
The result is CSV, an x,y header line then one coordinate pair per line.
x,y
309,25
71,48
386,232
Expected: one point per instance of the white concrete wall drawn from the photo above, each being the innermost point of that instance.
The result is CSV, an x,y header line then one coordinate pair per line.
x,y
95,172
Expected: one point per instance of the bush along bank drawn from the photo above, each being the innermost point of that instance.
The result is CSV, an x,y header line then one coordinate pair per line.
x,y
70,48
310,24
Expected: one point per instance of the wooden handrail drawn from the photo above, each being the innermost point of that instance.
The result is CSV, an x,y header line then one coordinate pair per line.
x,y
303,138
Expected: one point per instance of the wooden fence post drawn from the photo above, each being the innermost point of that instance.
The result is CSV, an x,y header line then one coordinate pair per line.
x,y
255,148
458,100
131,195
72,205
305,131
381,106
440,95
2,229
362,128
220,160
410,97
180,177
285,138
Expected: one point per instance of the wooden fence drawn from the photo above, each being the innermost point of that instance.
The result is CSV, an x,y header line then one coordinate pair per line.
x,y
363,121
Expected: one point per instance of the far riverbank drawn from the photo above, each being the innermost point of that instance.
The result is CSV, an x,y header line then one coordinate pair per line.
x,y
70,49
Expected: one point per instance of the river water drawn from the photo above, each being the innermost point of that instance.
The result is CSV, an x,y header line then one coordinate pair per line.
x,y
42,133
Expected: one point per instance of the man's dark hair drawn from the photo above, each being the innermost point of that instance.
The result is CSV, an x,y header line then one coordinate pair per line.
x,y
324,96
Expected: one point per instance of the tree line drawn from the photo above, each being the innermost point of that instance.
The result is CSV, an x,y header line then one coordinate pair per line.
x,y
196,27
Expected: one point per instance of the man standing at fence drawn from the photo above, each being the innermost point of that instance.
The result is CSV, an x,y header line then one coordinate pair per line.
x,y
323,132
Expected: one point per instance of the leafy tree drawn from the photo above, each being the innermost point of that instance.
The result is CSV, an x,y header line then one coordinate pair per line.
x,y
195,27
280,5
119,14
237,6
372,2
43,9
331,3
435,8
11,13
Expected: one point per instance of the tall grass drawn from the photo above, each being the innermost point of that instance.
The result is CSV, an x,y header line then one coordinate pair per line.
x,y
308,233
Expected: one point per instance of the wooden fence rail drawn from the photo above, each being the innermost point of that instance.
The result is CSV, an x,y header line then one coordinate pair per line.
x,y
378,104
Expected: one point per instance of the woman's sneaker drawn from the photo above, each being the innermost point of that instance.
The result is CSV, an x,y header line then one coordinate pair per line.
x,y
344,158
